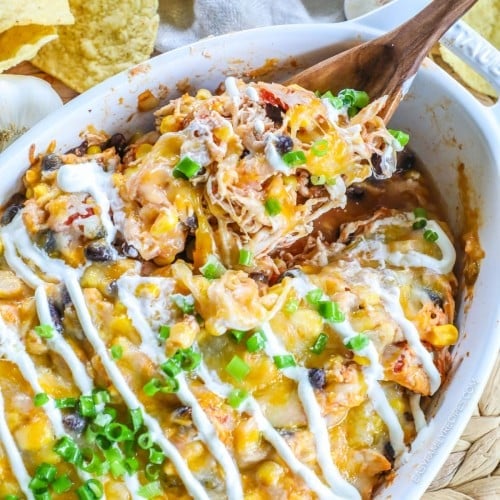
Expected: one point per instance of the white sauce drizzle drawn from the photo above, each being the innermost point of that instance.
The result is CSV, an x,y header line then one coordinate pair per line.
x,y
252,93
317,423
258,126
273,157
200,418
232,90
418,414
90,178
15,458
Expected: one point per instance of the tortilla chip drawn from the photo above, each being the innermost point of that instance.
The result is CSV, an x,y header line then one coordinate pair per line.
x,y
42,12
21,43
484,17
107,37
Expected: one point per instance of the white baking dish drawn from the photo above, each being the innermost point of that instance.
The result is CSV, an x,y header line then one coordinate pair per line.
x,y
447,126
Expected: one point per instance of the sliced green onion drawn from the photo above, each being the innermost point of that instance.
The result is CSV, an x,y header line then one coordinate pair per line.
x,y
152,472
117,469
100,396
430,235
272,206
136,418
44,331
40,399
152,387
320,343
419,224
420,213
186,168
164,332
400,136
291,305
95,486
189,359
42,495
354,98
245,257
212,269
171,367
335,101
256,342
314,296
67,448
294,158
103,419
184,302
237,368
90,461
46,472
318,180
170,385
331,311
132,464
319,147
11,496
237,335
236,397
62,484
111,411
116,352
86,406
156,456
118,433
358,342
130,448
284,361
38,485
150,490
103,442
145,441
66,402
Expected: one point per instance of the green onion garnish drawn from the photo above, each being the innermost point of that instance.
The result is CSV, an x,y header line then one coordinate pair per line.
x,y
237,335
86,406
272,206
102,419
291,305
42,495
354,98
314,296
186,168
40,399
237,368
117,433
116,352
284,361
38,485
188,359
419,224
331,311
90,461
152,387
400,136
150,490
335,101
184,302
156,456
319,147
67,448
62,484
92,489
357,342
245,257
101,396
420,213
430,235
320,343
152,472
145,441
294,158
164,332
236,397
318,180
66,402
11,496
132,464
136,418
171,367
46,472
44,331
256,342
170,385
212,269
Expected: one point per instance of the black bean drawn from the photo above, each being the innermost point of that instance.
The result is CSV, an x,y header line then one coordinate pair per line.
x,y
80,150
51,162
56,315
275,113
74,422
191,222
283,144
259,277
118,142
389,452
289,273
406,161
317,378
376,163
436,298
98,251
46,239
355,192
65,297
13,206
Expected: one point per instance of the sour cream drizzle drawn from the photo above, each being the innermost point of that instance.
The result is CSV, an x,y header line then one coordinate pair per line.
x,y
205,427
418,414
317,423
232,90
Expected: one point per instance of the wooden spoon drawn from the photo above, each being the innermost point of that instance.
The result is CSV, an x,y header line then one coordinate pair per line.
x,y
385,65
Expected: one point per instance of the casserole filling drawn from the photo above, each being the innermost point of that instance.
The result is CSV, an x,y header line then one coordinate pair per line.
x,y
247,302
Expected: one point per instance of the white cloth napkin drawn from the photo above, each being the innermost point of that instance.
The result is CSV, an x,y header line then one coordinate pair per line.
x,y
185,21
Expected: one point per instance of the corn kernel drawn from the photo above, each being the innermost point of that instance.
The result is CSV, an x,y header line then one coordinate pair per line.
x,y
147,101
203,94
94,150
143,150
40,190
34,435
361,360
29,193
31,176
398,405
169,124
222,133
247,437
443,335
269,473
165,222
182,334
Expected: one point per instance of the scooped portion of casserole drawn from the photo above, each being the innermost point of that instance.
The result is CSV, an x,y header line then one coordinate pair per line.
x,y
249,301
